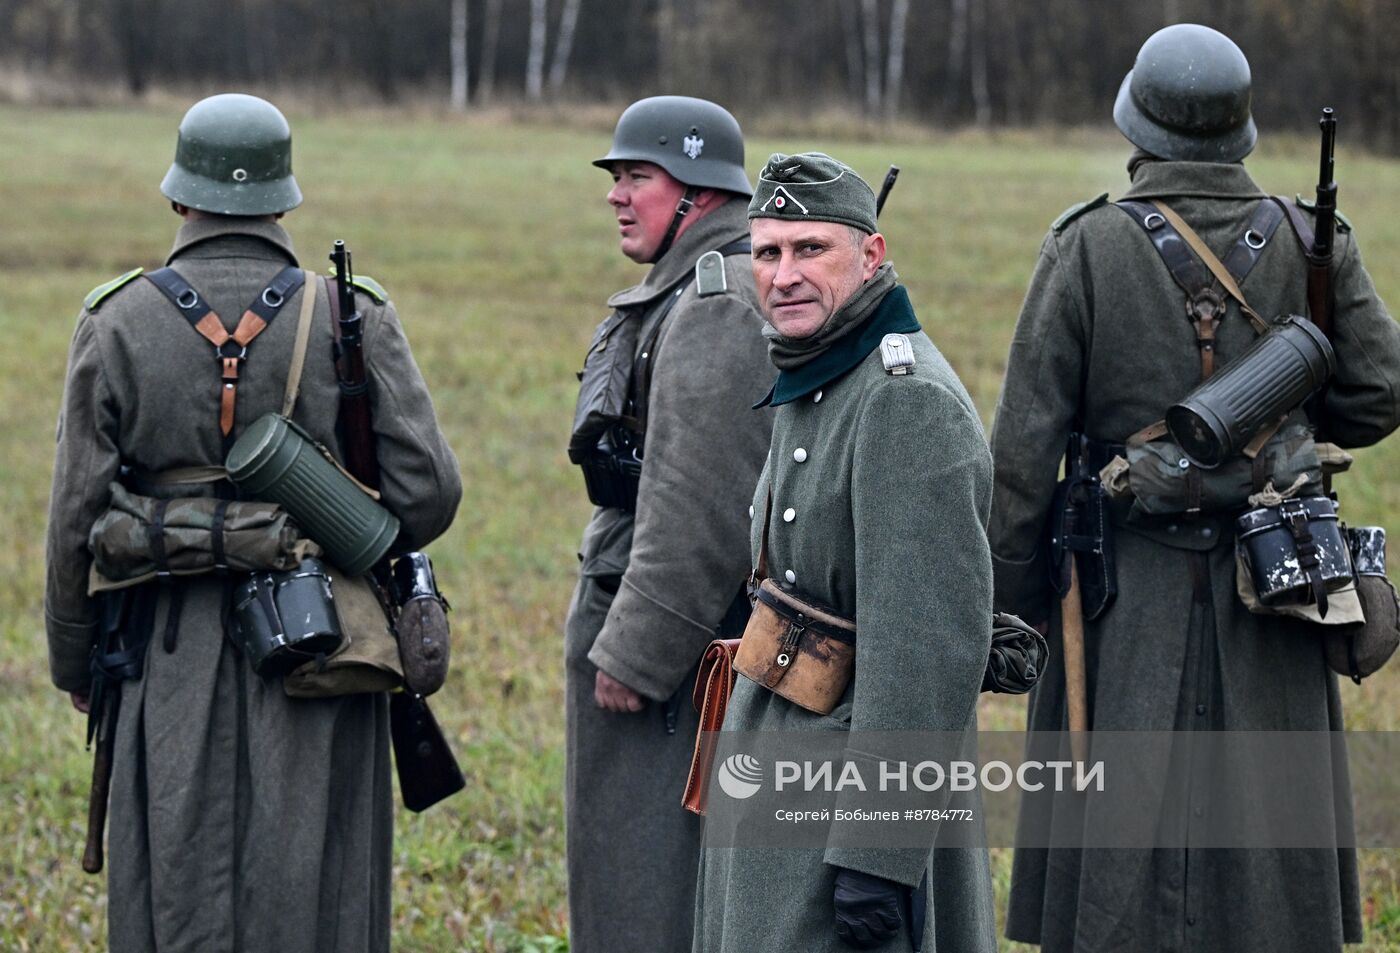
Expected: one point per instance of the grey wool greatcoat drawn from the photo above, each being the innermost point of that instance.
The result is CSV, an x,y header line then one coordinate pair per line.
x,y
241,820
888,482
1103,340
653,587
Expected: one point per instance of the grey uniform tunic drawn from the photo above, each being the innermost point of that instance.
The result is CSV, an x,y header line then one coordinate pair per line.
x,y
889,498
241,819
652,589
1103,338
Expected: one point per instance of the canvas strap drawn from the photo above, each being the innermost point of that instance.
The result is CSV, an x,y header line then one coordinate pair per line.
x,y
308,310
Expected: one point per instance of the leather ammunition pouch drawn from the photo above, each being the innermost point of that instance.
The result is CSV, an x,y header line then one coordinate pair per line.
x,y
140,538
1361,649
1293,555
803,652
714,681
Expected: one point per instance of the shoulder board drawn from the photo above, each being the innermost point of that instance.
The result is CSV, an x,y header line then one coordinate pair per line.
x,y
368,285
1074,211
1308,205
897,354
709,275
102,292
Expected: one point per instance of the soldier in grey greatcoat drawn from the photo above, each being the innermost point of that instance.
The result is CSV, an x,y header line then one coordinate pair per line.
x,y
241,819
670,450
1102,347
875,497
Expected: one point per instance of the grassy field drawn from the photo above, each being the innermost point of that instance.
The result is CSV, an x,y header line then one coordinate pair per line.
x,y
495,242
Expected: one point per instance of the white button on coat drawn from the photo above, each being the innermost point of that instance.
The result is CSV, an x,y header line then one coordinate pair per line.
x,y
817,397
800,455
750,511
789,515
790,576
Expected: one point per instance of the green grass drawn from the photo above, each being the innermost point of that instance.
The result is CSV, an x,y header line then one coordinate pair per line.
x,y
495,242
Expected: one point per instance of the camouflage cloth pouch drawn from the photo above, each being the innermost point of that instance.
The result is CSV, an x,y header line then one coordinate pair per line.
x,y
1156,474
140,538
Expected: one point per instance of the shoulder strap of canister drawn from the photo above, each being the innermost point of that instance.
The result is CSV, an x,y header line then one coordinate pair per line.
x,y
231,350
308,309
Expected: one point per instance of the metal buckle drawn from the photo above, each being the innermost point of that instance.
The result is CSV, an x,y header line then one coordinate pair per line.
x,y
1257,242
1153,221
187,299
269,301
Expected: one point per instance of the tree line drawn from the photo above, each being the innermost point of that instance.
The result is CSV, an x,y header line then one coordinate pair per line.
x,y
947,62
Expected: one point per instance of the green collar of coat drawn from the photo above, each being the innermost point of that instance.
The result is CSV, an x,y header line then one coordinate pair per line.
x,y
725,224
1207,180
895,315
201,230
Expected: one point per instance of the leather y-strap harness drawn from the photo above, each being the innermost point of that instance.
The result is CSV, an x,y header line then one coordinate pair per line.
x,y
231,350
1197,271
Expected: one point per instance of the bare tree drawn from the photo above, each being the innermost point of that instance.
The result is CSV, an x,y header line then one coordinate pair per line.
x,y
665,51
490,42
957,51
894,69
534,62
563,44
459,55
870,14
850,27
981,94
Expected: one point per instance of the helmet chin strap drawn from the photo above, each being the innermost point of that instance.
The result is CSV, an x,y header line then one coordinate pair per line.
x,y
683,208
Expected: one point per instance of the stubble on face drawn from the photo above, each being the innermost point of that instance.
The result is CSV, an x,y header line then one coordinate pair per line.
x,y
805,271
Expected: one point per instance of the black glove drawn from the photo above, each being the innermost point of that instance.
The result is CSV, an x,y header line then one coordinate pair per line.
x,y
868,908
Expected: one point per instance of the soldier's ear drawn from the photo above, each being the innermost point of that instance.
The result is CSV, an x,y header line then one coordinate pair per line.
x,y
709,199
872,251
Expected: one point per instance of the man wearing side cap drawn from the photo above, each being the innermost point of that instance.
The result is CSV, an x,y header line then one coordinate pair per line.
x,y
872,505
1102,347
669,450
241,818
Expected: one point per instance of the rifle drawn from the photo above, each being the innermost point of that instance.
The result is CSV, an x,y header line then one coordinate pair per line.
x,y
890,176
428,771
1320,301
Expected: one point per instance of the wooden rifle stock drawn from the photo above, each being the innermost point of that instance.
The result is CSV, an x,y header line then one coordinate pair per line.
x,y
428,771
101,777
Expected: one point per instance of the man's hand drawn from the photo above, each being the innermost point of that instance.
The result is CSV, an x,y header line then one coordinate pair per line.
x,y
612,695
868,908
81,701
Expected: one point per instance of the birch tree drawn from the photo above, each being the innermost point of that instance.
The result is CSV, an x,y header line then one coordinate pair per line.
x,y
490,43
894,69
563,45
534,61
459,55
870,14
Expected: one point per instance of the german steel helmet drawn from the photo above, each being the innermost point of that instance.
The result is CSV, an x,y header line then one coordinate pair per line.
x,y
233,157
696,141
1187,97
